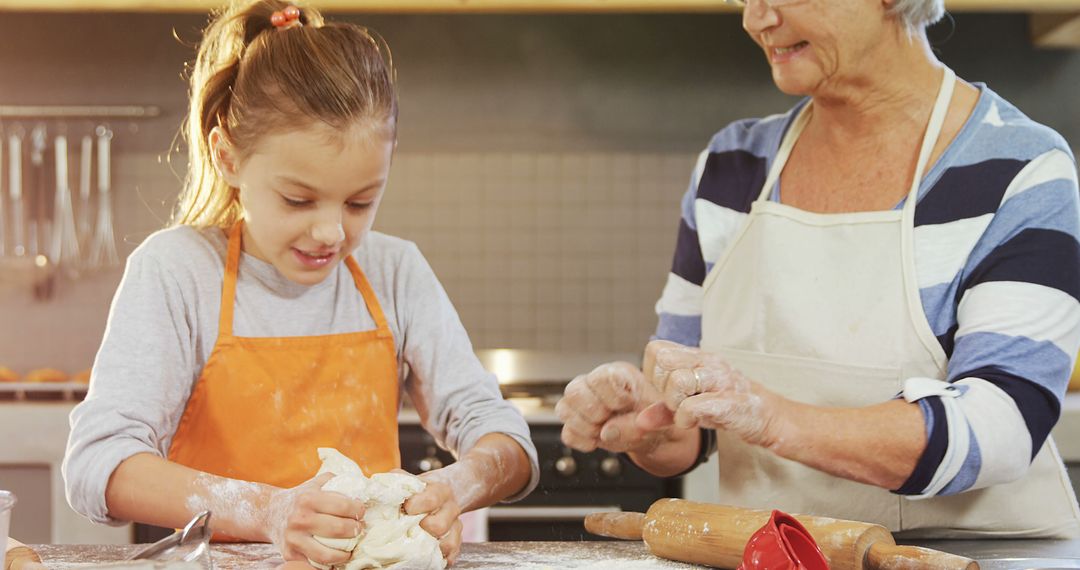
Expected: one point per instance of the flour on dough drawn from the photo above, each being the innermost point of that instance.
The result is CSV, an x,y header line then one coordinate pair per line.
x,y
390,539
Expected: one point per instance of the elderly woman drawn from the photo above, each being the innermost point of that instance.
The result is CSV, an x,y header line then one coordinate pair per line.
x,y
873,308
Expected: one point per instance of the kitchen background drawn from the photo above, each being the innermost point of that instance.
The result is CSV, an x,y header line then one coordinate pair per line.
x,y
541,157
540,167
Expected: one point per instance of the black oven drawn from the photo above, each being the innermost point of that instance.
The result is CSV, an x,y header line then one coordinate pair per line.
x,y
572,484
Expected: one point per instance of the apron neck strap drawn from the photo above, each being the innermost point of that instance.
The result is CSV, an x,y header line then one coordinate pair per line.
x,y
786,145
933,130
368,293
232,269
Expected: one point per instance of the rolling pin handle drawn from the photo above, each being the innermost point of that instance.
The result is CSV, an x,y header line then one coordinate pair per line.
x,y
624,526
882,556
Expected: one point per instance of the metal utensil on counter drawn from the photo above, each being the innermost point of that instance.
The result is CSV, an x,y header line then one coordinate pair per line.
x,y
189,544
64,247
103,248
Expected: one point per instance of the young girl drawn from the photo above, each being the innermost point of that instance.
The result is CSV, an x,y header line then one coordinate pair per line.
x,y
270,320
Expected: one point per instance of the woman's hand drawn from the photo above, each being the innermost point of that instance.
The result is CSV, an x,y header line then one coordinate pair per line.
x,y
437,499
598,409
295,516
700,389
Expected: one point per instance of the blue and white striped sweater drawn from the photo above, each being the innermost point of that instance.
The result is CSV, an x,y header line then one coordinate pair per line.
x,y
997,258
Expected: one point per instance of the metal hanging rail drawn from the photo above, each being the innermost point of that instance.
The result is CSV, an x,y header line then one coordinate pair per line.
x,y
79,111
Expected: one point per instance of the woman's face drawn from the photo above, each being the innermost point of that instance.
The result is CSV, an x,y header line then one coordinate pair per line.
x,y
309,195
817,45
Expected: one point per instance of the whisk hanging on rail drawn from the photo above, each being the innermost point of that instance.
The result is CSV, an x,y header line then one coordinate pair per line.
x,y
103,247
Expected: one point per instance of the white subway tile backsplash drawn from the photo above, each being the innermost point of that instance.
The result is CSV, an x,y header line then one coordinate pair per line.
x,y
545,251
539,251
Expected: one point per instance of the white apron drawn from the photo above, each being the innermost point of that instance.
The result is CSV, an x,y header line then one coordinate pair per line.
x,y
825,309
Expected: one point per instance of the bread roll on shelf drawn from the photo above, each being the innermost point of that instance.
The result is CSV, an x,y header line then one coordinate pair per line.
x,y
46,375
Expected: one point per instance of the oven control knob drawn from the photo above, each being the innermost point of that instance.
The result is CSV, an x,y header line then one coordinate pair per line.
x,y
611,467
566,466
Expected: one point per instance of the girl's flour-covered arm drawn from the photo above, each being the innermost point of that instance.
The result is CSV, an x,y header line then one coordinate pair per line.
x,y
458,400
142,376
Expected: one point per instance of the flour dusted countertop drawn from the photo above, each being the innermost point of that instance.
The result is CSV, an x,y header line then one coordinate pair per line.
x,y
991,554
487,556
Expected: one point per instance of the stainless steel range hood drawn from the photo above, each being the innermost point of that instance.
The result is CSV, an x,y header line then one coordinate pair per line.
x,y
519,367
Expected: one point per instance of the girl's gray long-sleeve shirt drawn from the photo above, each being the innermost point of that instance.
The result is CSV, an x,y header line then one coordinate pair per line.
x,y
163,325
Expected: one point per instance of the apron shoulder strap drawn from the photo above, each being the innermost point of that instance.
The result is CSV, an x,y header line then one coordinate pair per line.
x,y
933,130
782,153
228,286
368,293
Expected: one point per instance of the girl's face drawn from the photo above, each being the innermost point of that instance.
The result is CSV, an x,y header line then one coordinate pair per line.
x,y
308,195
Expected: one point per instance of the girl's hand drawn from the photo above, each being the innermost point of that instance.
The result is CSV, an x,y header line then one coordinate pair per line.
x,y
295,516
442,522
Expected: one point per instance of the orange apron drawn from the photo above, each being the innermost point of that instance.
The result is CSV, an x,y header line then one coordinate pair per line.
x,y
262,406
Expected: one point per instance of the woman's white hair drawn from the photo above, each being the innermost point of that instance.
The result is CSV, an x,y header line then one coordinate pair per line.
x,y
918,14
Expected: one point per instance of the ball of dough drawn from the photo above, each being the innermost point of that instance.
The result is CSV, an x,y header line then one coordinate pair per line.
x,y
390,538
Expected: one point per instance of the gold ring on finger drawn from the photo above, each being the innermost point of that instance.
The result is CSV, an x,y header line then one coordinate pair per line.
x,y
699,382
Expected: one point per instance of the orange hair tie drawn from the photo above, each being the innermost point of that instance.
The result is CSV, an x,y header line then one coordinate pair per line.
x,y
287,18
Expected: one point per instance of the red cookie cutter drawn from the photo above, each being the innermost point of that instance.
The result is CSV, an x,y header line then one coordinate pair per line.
x,y
782,544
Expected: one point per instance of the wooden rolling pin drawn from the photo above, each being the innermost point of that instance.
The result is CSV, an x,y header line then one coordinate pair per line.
x,y
716,535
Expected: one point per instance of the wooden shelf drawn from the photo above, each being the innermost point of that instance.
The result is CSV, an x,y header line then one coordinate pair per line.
x,y
1055,23
1056,31
496,6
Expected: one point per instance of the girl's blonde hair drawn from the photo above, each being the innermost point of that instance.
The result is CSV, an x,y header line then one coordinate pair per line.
x,y
253,79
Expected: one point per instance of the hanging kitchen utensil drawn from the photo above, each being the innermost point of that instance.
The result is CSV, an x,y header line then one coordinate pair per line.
x,y
103,249
64,250
3,210
40,220
36,191
86,156
18,246
16,267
